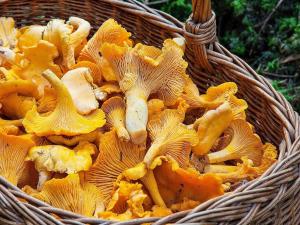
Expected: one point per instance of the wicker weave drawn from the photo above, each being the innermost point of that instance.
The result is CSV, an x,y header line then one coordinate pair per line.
x,y
274,198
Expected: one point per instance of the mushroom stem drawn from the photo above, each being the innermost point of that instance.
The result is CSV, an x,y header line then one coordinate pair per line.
x,y
151,185
220,169
220,156
43,177
136,115
122,133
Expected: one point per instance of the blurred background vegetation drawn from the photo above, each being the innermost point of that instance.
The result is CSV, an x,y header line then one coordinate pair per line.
x,y
265,33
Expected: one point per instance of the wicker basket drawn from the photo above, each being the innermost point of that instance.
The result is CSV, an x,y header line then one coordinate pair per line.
x,y
274,198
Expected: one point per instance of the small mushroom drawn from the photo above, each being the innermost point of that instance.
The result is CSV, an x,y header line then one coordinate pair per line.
x,y
8,32
114,109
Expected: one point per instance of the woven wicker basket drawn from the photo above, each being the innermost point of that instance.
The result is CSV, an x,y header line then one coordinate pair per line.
x,y
274,198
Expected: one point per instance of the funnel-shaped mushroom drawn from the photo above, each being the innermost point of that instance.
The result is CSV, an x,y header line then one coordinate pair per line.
x,y
111,32
41,58
8,32
95,70
210,127
244,143
79,84
245,170
13,151
69,194
114,158
114,109
15,106
64,120
176,184
140,73
74,140
238,107
168,134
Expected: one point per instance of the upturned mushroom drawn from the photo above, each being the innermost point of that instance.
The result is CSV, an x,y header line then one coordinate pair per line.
x,y
244,143
144,70
64,120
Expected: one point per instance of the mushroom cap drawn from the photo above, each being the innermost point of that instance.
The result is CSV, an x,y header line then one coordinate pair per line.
x,y
69,194
94,69
57,158
13,151
114,158
64,120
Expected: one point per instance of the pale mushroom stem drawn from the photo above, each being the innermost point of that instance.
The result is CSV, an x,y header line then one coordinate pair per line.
x,y
151,185
122,133
43,177
220,156
136,115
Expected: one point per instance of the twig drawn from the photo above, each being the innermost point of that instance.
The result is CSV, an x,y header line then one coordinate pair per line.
x,y
290,58
277,75
270,15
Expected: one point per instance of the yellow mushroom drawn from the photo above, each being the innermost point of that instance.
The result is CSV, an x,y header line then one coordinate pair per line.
x,y
64,120
30,36
16,106
114,109
246,169
82,30
22,87
141,73
79,84
8,32
70,194
59,159
95,70
176,184
114,158
111,32
13,151
168,134
41,57
244,143
74,140
48,101
210,127
155,107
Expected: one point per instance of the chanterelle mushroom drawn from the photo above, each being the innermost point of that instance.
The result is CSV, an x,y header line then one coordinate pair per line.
x,y
79,84
244,143
168,134
13,151
143,70
114,158
210,126
114,109
69,194
64,120
57,158
8,32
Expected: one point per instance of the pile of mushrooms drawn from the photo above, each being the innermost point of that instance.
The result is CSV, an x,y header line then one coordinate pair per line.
x,y
108,128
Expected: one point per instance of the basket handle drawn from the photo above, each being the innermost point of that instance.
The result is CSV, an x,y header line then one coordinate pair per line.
x,y
200,32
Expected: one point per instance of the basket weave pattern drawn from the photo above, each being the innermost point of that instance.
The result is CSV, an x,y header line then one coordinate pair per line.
x,y
274,198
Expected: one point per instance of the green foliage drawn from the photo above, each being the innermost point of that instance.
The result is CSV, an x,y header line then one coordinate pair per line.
x,y
274,51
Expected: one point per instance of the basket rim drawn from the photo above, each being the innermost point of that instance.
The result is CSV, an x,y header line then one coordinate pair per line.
x,y
284,109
